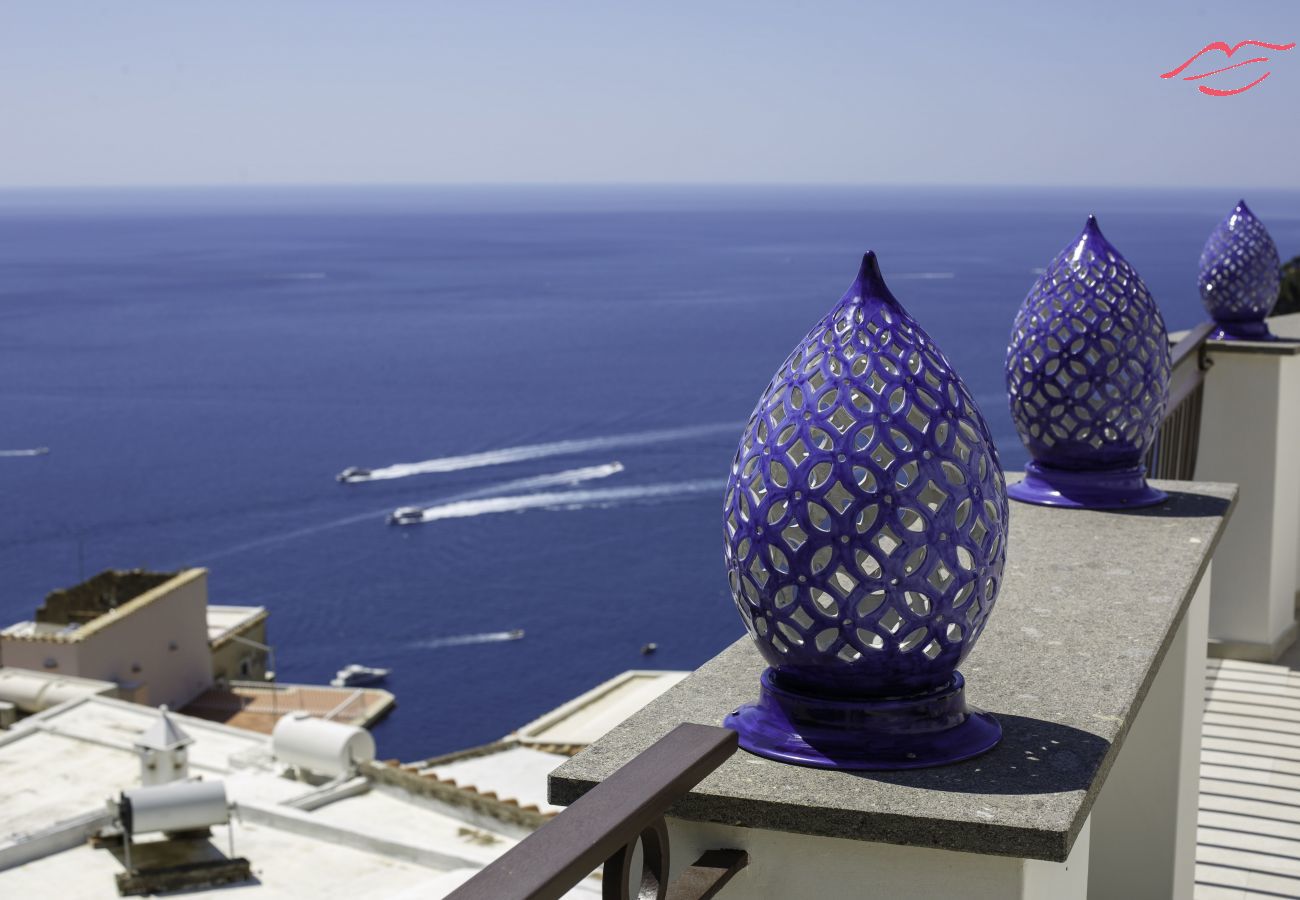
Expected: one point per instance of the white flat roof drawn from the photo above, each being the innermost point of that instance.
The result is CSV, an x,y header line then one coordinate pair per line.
x,y
286,865
517,775
384,814
70,759
115,725
223,620
383,843
586,718
46,778
30,628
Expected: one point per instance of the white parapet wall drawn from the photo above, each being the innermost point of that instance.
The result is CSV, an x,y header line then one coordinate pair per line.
x,y
1288,328
1154,782
153,646
55,838
1250,429
782,864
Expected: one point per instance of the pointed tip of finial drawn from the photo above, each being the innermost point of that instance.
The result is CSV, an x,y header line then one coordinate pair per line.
x,y
1091,230
870,283
870,265
1090,240
1243,208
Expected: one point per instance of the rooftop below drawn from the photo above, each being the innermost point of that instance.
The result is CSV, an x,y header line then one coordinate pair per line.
x,y
226,621
580,721
257,707
73,614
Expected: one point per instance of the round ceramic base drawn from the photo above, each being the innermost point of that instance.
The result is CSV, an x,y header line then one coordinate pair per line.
x,y
1090,489
930,729
1256,330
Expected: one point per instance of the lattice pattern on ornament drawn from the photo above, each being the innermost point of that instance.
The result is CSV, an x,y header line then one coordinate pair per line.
x,y
865,514
1088,363
1240,274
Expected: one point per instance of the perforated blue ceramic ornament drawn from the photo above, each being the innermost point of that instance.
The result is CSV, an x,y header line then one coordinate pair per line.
x,y
1240,277
1088,379
865,527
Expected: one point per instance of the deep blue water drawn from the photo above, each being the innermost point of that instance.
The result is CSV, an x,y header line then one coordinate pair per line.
x,y
203,362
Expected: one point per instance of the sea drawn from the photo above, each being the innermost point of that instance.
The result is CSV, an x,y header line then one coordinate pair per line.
x,y
557,375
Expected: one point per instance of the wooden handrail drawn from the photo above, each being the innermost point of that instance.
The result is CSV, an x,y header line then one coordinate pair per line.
x,y
606,820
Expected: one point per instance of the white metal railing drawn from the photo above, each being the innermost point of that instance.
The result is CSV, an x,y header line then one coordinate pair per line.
x,y
356,695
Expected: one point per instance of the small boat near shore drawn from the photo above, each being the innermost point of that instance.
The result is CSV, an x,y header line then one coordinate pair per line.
x,y
356,675
353,474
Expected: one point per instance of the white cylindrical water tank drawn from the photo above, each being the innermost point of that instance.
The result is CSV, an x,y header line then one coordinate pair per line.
x,y
179,806
24,690
33,692
326,748
64,689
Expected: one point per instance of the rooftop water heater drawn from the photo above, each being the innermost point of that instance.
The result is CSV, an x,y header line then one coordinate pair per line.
x,y
184,811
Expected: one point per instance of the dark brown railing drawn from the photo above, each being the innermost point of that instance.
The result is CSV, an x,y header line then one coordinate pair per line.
x,y
1173,453
605,824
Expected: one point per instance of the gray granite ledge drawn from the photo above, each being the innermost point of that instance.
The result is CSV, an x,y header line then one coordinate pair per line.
x,y
1284,346
1089,605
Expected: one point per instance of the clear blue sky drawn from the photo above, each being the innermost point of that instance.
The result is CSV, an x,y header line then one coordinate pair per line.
x,y
387,91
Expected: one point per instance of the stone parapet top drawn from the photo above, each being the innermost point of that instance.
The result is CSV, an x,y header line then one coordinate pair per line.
x,y
1089,605
1287,344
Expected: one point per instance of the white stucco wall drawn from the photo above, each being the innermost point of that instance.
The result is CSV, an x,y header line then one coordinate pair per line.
x,y
1250,423
161,645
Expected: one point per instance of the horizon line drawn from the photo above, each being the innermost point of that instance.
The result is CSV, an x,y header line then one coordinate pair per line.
x,y
750,185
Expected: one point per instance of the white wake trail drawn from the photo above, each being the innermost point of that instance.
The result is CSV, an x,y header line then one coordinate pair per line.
x,y
535,451
459,640
552,479
35,451
566,499
572,476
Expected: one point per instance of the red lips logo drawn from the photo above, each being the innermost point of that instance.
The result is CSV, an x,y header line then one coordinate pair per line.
x,y
1228,51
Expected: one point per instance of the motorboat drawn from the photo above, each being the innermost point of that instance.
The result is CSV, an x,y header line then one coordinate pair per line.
x,y
406,515
357,675
352,473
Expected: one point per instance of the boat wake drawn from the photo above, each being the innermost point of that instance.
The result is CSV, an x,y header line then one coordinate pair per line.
x,y
531,451
570,477
459,640
35,451
551,479
464,509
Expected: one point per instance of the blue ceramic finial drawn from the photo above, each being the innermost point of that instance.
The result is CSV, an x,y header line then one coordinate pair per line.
x,y
1088,378
1240,276
865,532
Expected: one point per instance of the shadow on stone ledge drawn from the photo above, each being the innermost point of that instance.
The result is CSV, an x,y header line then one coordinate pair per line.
x,y
1033,757
1182,505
